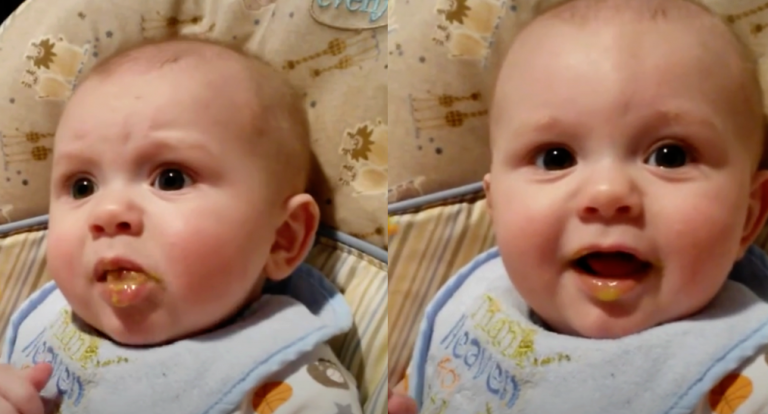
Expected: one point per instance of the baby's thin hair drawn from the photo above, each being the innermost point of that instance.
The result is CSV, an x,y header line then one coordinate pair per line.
x,y
586,11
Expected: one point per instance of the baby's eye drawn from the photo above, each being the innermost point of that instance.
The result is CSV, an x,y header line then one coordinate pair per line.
x,y
82,188
555,158
171,179
668,156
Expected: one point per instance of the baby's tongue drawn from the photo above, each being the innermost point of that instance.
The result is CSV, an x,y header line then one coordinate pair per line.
x,y
615,265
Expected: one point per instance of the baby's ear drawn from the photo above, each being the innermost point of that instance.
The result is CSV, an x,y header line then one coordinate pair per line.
x,y
294,237
487,189
757,211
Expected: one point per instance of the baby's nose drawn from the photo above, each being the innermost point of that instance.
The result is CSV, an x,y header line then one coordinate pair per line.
x,y
116,217
611,195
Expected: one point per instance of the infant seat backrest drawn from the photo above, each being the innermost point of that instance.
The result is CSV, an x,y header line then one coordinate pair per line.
x,y
333,52
442,58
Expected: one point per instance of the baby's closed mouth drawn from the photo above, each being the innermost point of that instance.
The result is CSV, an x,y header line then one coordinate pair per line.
x,y
611,264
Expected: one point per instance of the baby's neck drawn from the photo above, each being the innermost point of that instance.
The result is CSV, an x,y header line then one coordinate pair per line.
x,y
538,321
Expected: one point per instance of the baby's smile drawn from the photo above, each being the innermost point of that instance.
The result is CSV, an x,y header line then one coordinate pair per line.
x,y
611,264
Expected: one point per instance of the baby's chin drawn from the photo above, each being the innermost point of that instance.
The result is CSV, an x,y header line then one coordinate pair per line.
x,y
155,329
608,330
134,336
134,340
607,321
148,331
598,324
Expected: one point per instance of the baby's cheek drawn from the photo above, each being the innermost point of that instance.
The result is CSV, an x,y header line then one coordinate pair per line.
x,y
210,267
525,234
211,253
66,265
697,251
200,261
63,255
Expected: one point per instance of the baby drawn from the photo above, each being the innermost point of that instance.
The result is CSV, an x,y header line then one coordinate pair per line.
x,y
178,224
626,181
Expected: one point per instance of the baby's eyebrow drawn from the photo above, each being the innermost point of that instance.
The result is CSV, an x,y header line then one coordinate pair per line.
x,y
162,143
546,124
658,118
665,117
73,156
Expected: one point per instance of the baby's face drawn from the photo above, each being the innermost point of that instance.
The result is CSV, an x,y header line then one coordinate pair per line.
x,y
154,172
621,137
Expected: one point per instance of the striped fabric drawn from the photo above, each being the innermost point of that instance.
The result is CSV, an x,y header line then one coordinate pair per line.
x,y
22,271
428,247
362,279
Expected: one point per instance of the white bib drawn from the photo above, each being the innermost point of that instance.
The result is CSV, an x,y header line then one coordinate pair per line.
x,y
479,352
210,373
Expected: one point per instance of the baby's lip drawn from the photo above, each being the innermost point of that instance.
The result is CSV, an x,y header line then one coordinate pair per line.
x,y
615,248
105,265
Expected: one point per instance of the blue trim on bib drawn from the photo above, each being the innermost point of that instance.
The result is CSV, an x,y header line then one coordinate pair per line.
x,y
430,313
754,262
690,398
21,314
299,279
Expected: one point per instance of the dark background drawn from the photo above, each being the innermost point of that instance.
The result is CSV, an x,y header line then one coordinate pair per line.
x,y
7,7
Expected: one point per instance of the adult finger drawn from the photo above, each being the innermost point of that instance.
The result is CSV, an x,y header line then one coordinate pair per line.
x,y
19,392
401,404
38,375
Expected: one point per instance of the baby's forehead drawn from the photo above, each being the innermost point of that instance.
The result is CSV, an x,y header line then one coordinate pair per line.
x,y
709,36
259,97
190,70
584,11
601,14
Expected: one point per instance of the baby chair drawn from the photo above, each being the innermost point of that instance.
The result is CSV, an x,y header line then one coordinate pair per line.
x,y
333,53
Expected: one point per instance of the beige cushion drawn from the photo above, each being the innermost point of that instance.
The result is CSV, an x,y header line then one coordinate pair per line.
x,y
46,46
439,56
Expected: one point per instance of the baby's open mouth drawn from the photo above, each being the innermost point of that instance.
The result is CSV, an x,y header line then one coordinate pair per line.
x,y
125,285
614,265
120,275
125,276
